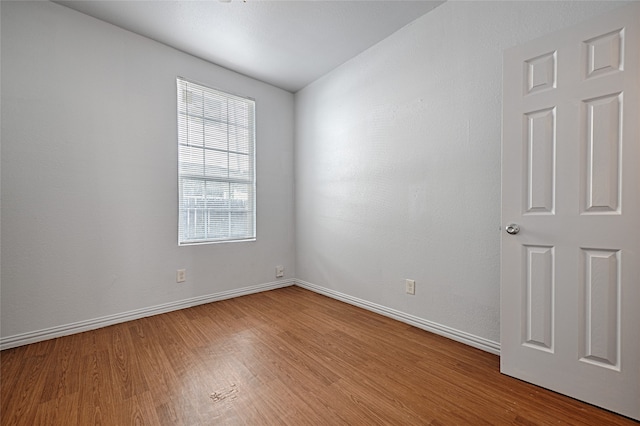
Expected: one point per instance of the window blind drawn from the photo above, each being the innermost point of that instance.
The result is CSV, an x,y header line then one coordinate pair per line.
x,y
216,165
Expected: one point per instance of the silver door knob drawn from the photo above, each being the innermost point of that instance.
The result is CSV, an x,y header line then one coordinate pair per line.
x,y
512,229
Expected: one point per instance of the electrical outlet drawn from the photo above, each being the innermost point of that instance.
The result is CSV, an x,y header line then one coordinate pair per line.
x,y
279,271
181,275
410,286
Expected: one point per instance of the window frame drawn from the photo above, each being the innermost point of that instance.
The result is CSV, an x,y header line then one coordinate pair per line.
x,y
207,205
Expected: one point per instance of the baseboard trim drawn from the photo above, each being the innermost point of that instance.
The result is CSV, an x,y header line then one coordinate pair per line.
x,y
433,327
92,324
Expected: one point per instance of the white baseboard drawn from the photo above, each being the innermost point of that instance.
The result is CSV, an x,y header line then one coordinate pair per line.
x,y
442,330
92,324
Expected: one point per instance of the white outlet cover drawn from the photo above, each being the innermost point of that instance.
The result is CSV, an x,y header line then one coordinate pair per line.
x,y
410,286
279,271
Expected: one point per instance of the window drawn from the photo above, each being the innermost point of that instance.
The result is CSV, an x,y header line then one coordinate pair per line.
x,y
216,162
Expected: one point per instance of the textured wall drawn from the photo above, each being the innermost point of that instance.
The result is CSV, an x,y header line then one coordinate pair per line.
x,y
89,173
398,163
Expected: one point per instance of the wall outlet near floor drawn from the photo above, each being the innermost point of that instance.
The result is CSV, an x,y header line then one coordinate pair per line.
x,y
181,275
279,271
410,286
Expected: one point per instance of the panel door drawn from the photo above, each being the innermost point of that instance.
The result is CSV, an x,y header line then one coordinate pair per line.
x,y
570,276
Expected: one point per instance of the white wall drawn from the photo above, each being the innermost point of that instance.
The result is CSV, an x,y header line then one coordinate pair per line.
x,y
89,174
398,163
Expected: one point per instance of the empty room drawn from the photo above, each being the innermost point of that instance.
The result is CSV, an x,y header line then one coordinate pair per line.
x,y
253,212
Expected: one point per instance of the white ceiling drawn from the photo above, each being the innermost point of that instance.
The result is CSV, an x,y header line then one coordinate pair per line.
x,y
285,43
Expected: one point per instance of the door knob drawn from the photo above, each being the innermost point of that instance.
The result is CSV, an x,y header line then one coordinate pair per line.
x,y
512,229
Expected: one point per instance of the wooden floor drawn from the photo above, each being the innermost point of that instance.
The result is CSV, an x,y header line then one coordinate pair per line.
x,y
287,356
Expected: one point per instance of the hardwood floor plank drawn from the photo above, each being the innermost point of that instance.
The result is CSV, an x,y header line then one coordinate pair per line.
x,y
282,357
97,401
62,378
23,396
58,411
125,370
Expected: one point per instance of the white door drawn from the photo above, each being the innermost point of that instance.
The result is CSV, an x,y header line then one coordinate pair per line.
x,y
570,278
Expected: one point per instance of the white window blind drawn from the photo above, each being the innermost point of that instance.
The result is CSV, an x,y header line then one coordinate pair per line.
x,y
216,165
